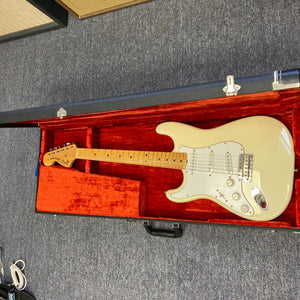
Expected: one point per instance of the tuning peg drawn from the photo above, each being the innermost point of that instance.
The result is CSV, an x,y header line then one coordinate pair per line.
x,y
55,148
50,149
68,144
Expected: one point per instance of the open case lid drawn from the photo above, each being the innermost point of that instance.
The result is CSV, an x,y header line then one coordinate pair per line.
x,y
278,80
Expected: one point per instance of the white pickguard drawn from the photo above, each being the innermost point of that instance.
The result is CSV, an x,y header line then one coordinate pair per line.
x,y
213,171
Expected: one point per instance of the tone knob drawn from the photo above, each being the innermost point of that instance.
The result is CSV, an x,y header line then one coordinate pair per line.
x,y
244,208
236,196
230,182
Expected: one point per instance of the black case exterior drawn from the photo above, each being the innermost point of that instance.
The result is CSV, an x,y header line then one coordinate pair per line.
x,y
278,80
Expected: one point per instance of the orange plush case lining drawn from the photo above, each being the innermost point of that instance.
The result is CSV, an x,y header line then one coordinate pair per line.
x,y
115,190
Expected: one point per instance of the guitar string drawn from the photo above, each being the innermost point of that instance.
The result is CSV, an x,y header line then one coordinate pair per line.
x,y
218,165
233,171
127,157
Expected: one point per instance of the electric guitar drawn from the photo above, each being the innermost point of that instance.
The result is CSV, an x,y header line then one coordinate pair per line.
x,y
246,166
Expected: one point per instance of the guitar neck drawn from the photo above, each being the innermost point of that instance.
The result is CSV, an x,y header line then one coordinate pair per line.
x,y
171,160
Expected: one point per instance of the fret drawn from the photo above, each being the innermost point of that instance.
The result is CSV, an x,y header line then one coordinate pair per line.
x,y
172,160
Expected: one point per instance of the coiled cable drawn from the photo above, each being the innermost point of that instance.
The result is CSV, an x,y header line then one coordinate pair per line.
x,y
18,277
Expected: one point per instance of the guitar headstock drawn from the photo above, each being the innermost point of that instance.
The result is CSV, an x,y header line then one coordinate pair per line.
x,y
65,156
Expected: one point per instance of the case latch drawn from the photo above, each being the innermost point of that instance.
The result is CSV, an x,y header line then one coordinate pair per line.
x,y
61,113
231,89
284,80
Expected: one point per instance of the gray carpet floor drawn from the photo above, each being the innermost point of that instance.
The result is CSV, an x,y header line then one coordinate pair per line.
x,y
157,45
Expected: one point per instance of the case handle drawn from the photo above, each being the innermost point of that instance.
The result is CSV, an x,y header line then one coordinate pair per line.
x,y
176,232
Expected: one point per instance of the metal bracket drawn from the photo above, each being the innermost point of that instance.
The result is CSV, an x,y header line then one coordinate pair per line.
x,y
61,113
1,267
231,89
279,84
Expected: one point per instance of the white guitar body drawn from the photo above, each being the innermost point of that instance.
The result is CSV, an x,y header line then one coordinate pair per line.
x,y
246,166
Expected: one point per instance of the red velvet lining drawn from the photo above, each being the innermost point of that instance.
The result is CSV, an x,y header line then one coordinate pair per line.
x,y
76,192
109,189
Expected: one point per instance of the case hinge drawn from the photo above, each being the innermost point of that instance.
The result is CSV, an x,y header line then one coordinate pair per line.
x,y
282,82
231,89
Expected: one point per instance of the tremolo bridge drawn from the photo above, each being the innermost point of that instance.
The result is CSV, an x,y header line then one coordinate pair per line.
x,y
245,167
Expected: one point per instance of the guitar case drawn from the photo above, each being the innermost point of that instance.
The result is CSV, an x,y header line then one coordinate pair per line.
x,y
135,192
19,295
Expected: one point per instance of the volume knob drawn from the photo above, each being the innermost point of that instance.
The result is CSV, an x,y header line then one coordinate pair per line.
x,y
236,196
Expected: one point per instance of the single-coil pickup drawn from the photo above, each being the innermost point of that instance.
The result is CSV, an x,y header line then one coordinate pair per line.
x,y
228,160
211,162
193,161
245,167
